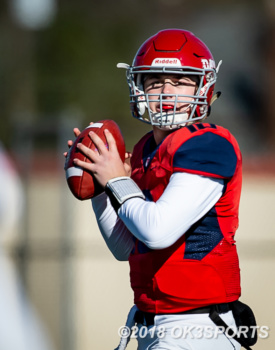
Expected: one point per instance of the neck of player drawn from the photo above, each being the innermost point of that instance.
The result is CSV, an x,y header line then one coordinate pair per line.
x,y
159,134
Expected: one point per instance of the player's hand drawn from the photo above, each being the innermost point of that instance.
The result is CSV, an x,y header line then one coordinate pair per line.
x,y
105,160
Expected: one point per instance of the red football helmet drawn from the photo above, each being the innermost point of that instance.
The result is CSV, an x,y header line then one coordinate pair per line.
x,y
172,51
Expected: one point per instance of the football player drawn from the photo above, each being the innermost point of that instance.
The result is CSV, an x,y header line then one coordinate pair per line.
x,y
174,212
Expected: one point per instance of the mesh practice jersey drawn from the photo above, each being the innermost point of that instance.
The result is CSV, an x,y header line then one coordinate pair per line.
x,y
202,267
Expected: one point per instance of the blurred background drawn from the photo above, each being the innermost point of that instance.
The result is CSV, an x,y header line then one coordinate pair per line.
x,y
60,288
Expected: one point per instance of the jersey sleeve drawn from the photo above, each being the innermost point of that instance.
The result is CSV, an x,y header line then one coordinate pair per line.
x,y
208,154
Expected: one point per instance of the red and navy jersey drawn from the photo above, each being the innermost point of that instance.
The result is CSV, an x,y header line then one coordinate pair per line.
x,y
202,267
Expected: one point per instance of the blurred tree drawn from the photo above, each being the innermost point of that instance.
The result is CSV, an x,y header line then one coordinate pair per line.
x,y
269,59
17,63
72,63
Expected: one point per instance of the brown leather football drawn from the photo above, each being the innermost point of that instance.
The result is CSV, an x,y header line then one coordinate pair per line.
x,y
82,183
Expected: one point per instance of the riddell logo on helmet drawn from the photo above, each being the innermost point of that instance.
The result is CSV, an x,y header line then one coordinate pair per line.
x,y
166,62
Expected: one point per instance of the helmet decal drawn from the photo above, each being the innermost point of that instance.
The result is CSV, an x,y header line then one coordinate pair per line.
x,y
166,62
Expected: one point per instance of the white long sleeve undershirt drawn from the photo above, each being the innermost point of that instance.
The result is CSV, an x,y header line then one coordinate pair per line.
x,y
159,224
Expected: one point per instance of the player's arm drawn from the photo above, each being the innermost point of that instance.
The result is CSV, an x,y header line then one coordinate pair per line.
x,y
158,225
118,238
200,166
186,199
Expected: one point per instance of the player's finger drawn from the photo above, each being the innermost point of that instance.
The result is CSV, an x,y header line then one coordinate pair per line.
x,y
87,152
83,165
110,140
128,155
98,142
76,132
70,143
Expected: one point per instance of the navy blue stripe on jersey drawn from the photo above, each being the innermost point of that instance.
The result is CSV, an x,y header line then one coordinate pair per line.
x,y
207,153
149,150
203,237
191,128
199,126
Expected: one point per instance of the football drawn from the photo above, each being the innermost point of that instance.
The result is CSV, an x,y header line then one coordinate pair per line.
x,y
82,183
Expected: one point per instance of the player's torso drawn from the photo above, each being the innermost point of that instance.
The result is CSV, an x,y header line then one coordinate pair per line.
x,y
202,149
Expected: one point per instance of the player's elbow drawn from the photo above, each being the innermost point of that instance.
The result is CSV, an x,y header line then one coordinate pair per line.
x,y
160,239
157,240
157,245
